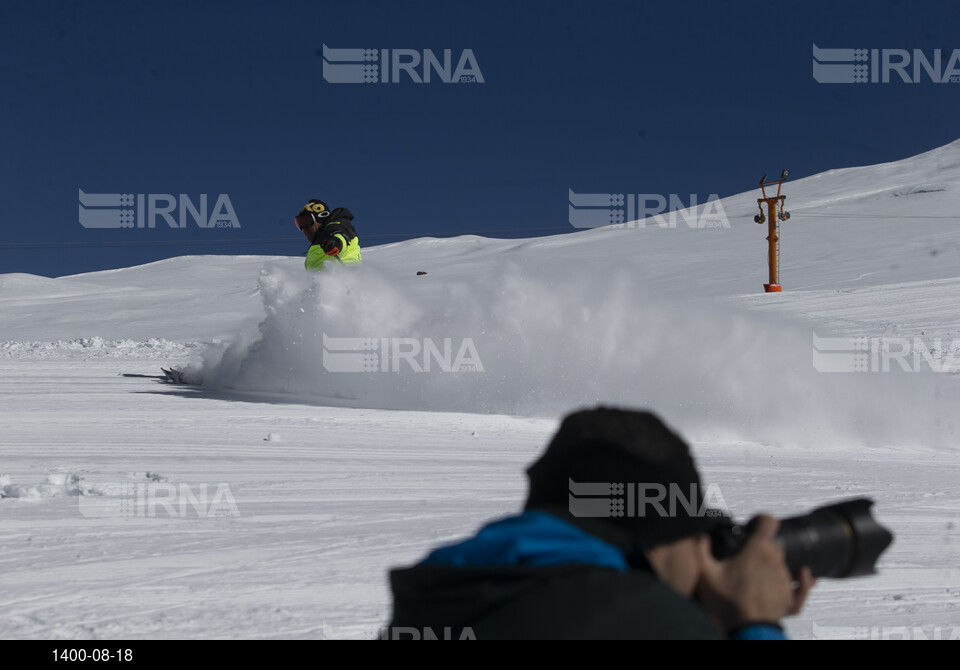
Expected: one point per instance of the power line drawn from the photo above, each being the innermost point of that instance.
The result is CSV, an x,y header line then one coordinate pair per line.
x,y
876,216
154,243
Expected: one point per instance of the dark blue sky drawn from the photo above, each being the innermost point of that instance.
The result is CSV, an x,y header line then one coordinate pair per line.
x,y
605,96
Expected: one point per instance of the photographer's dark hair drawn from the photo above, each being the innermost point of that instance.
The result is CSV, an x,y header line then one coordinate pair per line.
x,y
612,445
641,434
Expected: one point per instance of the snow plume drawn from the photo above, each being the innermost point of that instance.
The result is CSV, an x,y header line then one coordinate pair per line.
x,y
544,345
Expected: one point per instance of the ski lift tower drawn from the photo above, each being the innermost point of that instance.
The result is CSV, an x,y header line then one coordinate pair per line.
x,y
774,218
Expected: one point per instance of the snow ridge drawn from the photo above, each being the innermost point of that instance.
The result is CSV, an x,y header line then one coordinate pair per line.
x,y
97,347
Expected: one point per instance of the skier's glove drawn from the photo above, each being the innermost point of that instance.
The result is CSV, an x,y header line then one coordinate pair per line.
x,y
331,247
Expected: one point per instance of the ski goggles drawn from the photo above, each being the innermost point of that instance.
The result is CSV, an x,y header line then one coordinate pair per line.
x,y
306,220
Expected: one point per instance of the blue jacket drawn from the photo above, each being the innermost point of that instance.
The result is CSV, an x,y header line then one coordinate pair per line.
x,y
537,576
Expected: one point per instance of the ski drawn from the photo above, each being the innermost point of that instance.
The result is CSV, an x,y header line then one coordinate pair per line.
x,y
177,376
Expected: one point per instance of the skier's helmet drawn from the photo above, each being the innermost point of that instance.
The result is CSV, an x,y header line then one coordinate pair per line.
x,y
313,211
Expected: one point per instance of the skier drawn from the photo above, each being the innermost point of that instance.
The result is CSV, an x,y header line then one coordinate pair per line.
x,y
331,234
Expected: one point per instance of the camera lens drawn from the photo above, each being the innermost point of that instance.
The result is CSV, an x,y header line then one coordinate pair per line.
x,y
821,540
839,540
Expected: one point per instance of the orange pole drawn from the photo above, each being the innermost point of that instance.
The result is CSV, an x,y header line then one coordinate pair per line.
x,y
773,239
773,252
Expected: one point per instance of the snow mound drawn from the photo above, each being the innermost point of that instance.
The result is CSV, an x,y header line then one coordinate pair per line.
x,y
97,347
543,345
55,485
27,285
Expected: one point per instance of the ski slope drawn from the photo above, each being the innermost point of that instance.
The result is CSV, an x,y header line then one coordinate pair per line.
x,y
328,479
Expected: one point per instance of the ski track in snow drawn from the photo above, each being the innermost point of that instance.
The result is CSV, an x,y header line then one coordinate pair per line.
x,y
324,511
345,494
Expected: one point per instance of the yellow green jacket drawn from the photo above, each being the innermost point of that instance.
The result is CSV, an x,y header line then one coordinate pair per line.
x,y
337,239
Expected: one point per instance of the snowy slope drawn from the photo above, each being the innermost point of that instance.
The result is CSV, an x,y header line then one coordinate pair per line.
x,y
337,476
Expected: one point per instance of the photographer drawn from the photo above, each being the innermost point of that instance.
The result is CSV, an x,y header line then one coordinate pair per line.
x,y
550,574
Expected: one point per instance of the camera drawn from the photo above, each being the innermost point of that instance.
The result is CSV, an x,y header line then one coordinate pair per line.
x,y
839,540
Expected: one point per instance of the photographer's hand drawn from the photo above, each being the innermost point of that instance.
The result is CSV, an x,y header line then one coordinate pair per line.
x,y
755,585
805,582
